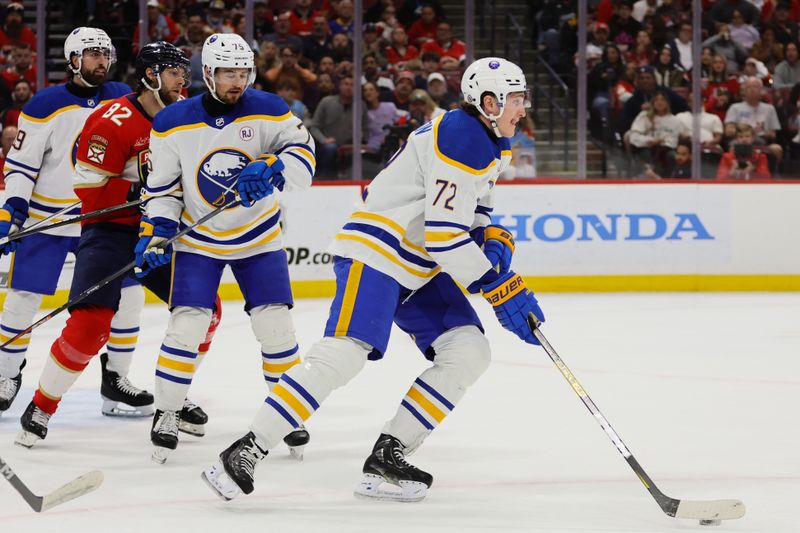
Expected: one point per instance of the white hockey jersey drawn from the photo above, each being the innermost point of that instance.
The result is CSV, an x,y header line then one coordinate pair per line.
x,y
196,160
41,162
418,212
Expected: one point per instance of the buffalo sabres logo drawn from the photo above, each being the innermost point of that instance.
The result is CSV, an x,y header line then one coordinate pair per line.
x,y
73,156
217,175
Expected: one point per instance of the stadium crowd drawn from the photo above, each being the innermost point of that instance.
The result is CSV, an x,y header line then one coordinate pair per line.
x,y
639,77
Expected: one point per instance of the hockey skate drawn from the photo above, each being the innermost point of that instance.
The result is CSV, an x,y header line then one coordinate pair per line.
x,y
296,441
34,426
234,472
9,388
387,475
193,419
120,397
164,435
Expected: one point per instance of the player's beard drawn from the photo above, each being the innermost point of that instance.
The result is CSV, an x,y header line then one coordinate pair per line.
x,y
96,77
167,96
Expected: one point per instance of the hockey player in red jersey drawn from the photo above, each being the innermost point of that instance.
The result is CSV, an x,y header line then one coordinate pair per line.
x,y
112,164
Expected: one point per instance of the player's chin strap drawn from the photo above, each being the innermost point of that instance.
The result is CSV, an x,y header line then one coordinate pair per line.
x,y
156,91
212,86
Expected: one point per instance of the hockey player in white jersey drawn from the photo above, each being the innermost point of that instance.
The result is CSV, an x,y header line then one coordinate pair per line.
x,y
38,176
232,140
421,226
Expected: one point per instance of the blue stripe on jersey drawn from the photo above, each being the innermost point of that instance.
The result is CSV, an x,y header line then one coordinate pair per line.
x,y
165,187
278,407
303,392
124,330
10,329
53,209
416,414
302,160
389,239
26,167
14,350
254,233
174,379
442,224
483,210
120,350
434,393
451,247
11,173
295,145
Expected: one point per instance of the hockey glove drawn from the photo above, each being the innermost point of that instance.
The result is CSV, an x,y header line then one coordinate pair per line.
x,y
150,250
512,302
13,215
259,178
498,246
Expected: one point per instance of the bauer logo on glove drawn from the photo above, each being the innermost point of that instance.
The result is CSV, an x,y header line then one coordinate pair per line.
x,y
505,291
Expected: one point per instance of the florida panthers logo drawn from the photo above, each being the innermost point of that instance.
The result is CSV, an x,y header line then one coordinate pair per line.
x,y
217,175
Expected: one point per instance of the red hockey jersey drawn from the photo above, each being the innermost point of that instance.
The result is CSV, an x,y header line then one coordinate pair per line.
x,y
113,153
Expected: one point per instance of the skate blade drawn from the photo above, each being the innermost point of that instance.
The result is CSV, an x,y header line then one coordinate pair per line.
x,y
160,454
297,452
220,482
26,439
374,487
123,410
198,430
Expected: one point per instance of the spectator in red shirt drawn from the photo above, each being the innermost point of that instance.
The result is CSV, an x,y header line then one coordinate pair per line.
x,y
445,45
21,67
424,29
14,31
19,97
744,161
301,17
160,27
399,51
719,78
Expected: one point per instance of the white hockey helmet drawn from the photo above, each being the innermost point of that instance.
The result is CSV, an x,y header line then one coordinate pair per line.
x,y
226,50
83,38
493,75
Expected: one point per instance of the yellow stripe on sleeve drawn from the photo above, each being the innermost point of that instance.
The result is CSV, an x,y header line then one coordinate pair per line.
x,y
440,236
175,365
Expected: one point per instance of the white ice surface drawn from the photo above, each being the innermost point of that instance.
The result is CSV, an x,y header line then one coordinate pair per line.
x,y
703,388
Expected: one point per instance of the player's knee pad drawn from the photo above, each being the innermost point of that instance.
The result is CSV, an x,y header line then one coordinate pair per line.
x,y
86,331
187,327
465,352
273,327
20,307
337,360
131,302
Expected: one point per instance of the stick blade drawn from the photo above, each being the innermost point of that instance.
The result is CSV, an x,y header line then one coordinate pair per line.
x,y
710,509
75,488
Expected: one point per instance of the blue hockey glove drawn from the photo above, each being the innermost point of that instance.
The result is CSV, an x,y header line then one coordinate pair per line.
x,y
150,250
498,246
512,302
13,215
259,178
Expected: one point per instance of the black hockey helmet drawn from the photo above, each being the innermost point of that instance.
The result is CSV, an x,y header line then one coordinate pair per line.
x,y
159,55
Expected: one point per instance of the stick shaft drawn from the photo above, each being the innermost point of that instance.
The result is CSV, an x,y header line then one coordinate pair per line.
x,y
108,279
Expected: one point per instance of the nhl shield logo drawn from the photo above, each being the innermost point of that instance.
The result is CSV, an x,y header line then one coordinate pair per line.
x,y
220,122
217,175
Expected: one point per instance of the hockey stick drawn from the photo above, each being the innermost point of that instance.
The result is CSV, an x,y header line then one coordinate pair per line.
x,y
75,488
53,216
707,511
122,271
36,228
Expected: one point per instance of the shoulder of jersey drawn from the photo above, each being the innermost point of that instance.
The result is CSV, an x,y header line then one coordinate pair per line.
x,y
258,102
115,89
174,115
462,140
47,101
